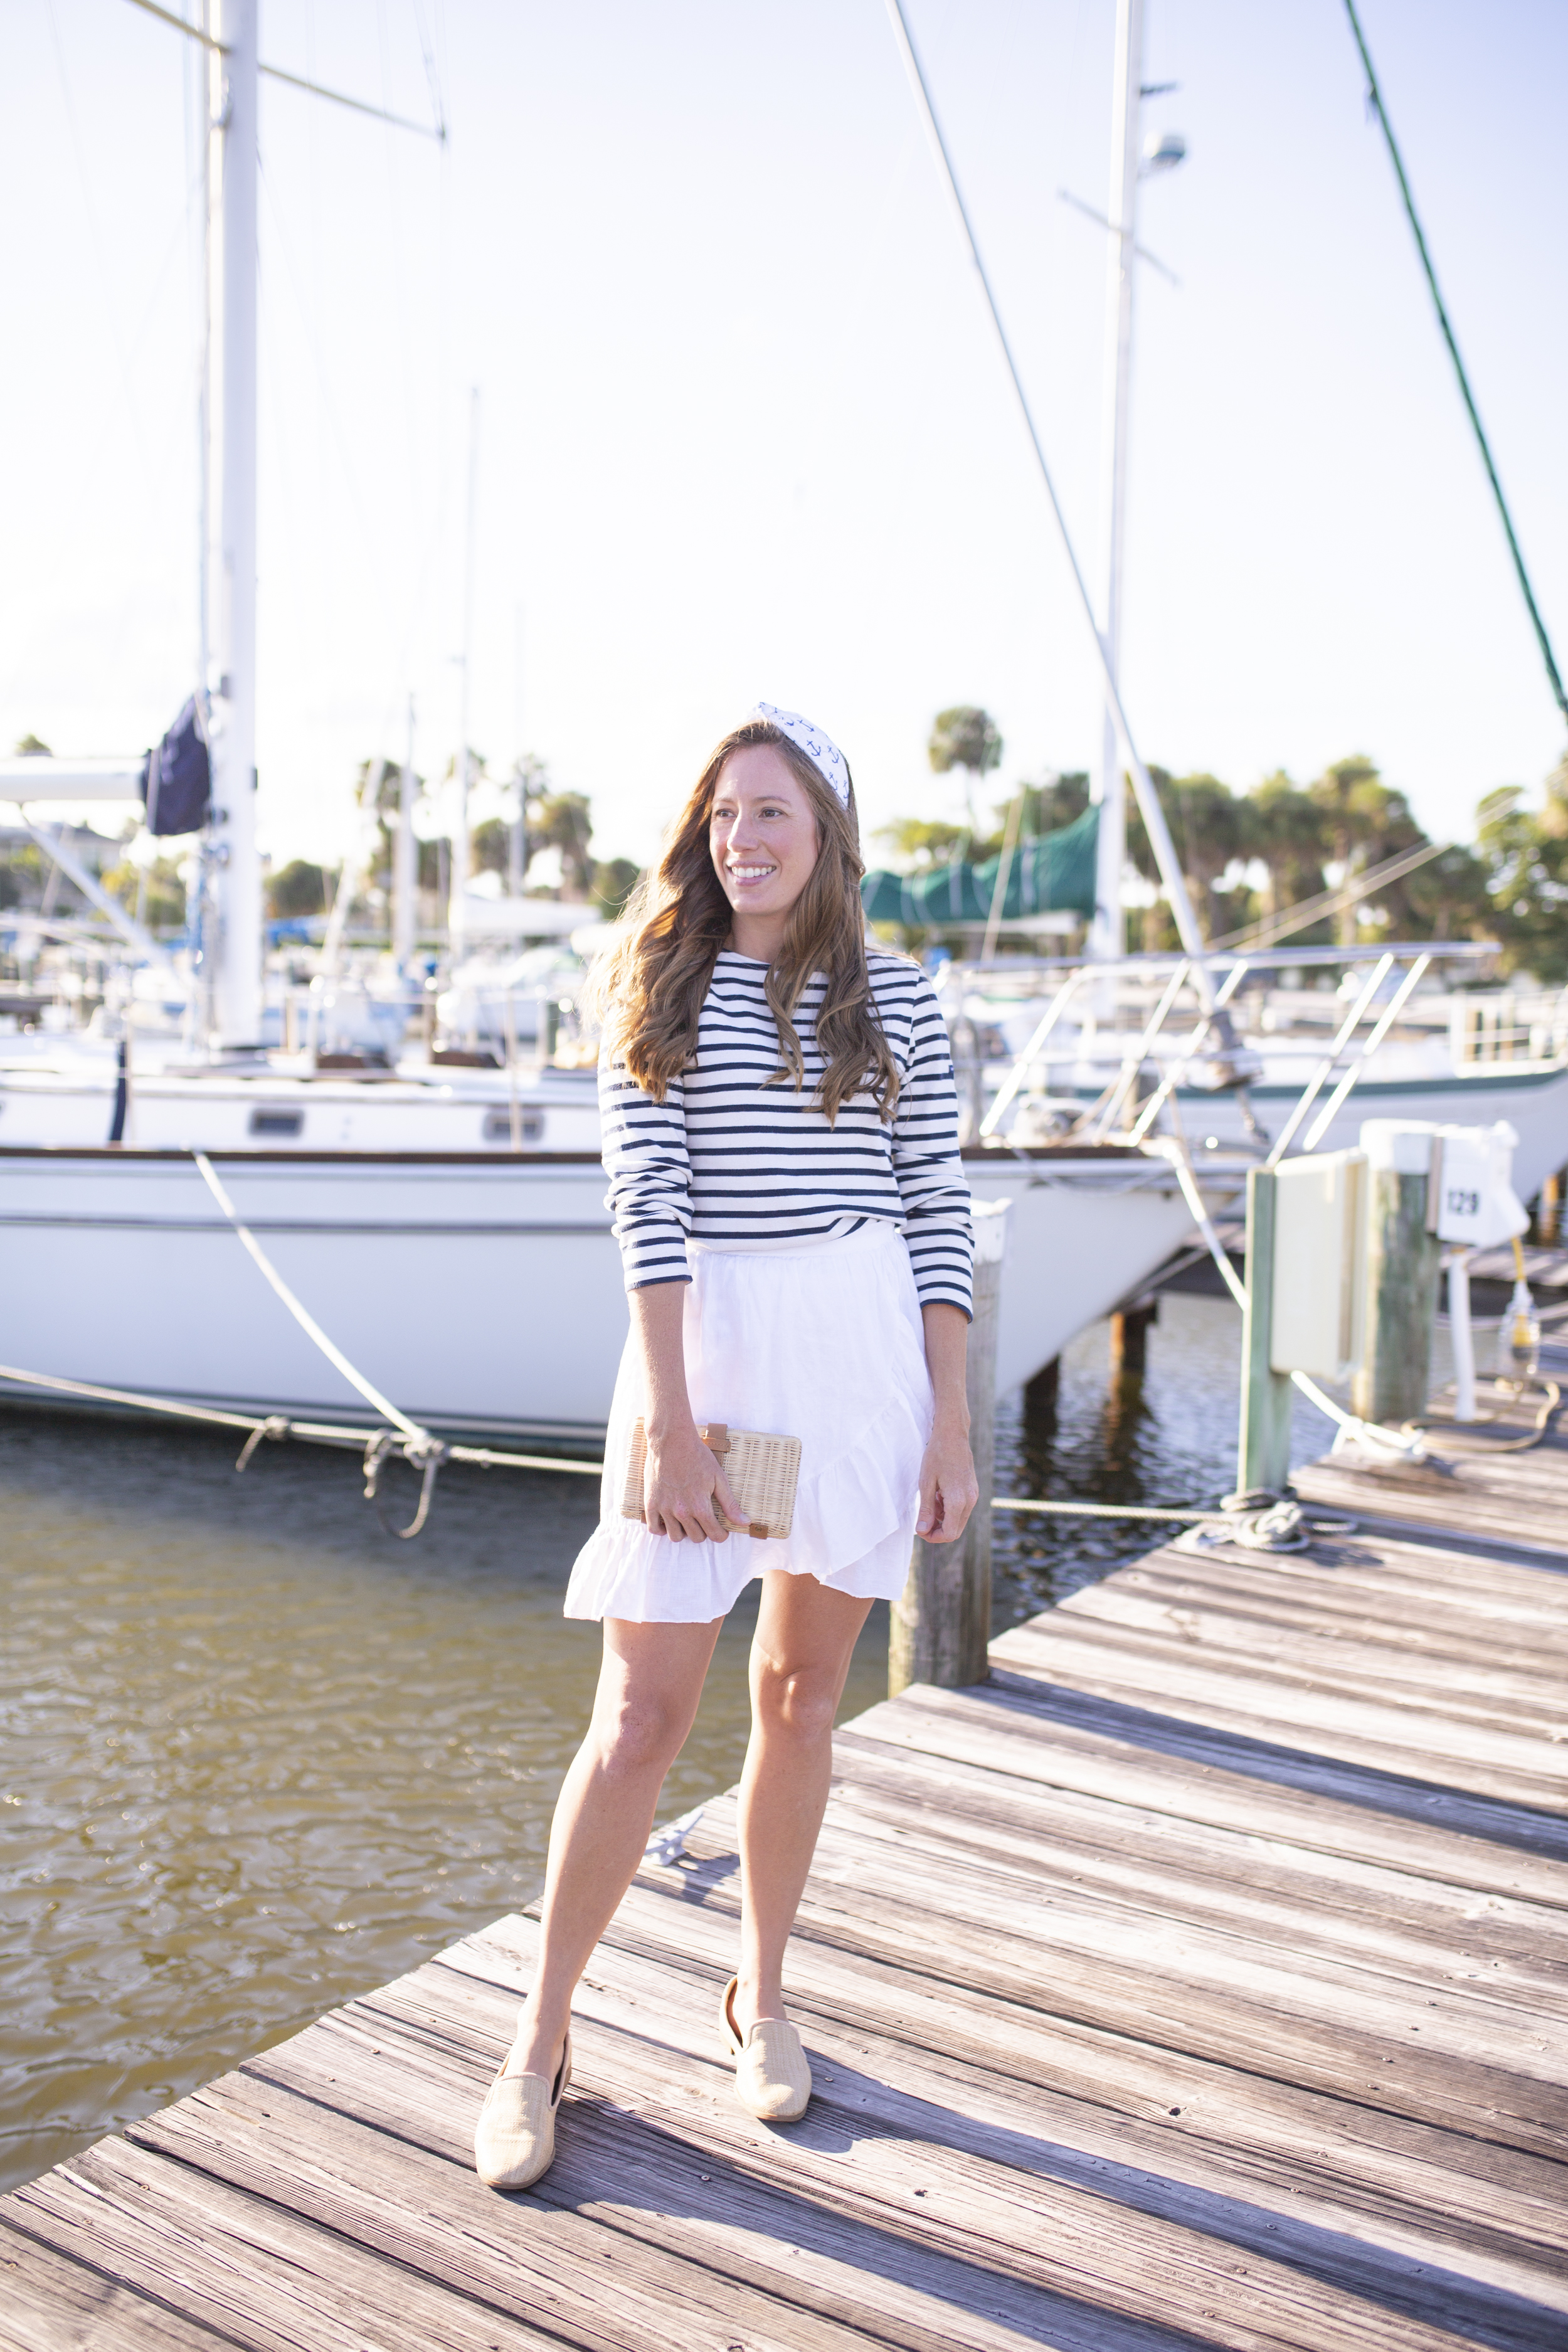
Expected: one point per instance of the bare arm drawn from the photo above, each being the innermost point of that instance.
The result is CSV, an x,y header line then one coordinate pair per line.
x,y
949,1489
684,1490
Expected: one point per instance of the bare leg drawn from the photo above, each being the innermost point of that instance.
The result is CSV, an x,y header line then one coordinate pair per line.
x,y
649,1683
800,1659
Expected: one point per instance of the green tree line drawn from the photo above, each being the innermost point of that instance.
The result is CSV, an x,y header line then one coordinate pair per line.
x,y
1249,857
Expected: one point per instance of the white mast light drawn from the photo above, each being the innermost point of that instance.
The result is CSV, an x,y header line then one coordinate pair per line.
x,y
1164,154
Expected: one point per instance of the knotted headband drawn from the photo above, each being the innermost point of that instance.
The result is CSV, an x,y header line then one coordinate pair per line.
x,y
821,750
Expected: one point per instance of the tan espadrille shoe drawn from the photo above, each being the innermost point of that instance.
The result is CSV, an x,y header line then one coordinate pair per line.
x,y
772,2079
514,2141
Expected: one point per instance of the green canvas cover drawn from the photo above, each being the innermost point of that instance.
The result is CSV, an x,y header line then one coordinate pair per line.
x,y
1052,875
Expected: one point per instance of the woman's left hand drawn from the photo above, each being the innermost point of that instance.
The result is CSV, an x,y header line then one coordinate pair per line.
x,y
949,1488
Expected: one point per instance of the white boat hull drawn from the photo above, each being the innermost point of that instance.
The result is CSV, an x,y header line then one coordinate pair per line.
x,y
1084,1233
69,1098
1533,1100
478,1296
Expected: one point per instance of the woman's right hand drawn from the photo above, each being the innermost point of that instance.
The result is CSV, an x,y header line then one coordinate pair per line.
x,y
685,1491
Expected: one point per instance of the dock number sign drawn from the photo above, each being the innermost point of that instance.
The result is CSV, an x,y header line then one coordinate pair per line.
x,y
1473,1170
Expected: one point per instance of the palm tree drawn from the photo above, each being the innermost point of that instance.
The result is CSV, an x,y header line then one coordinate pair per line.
x,y
968,738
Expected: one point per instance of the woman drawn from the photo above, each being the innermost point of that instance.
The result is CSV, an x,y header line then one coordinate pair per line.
x,y
780,1133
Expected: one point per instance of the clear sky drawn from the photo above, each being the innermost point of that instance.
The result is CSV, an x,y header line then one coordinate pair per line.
x,y
744,429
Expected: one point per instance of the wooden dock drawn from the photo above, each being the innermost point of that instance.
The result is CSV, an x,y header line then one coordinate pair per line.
x,y
1197,1982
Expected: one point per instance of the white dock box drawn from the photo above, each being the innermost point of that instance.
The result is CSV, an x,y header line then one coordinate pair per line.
x,y
1319,1265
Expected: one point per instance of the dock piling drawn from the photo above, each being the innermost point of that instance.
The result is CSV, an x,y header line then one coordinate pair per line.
x,y
1263,1455
1404,1260
940,1631
1130,1339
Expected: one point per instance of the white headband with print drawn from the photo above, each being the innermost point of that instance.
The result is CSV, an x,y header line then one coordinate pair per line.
x,y
821,750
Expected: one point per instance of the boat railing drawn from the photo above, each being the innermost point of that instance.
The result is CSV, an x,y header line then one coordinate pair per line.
x,y
1157,992
1505,1026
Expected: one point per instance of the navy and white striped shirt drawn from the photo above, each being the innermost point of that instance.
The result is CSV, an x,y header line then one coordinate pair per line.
x,y
732,1161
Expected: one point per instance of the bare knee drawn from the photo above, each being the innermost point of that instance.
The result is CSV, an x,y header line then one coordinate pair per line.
x,y
796,1703
638,1735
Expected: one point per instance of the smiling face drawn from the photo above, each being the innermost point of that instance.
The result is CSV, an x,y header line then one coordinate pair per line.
x,y
762,836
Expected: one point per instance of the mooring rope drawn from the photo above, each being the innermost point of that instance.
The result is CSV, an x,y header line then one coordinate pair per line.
x,y
279,1425
305,1319
417,1447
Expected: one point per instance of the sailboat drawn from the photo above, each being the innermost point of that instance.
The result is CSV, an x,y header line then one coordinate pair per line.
x,y
1230,1048
444,1222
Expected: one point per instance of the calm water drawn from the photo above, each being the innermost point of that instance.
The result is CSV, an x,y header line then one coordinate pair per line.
x,y
257,1757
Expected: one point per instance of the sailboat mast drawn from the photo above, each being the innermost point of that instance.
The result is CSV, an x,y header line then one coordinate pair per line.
x,y
236,878
1106,932
207,85
405,861
457,899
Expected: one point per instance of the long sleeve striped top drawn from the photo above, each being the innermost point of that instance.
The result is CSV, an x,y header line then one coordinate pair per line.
x,y
732,1161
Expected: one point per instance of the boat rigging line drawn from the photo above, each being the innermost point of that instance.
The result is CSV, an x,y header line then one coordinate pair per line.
x,y
1305,912
1374,100
1153,815
436,130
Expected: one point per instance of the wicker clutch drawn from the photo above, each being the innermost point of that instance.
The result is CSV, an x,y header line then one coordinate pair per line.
x,y
761,1472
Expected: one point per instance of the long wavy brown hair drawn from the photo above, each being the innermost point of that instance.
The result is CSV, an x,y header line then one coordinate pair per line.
x,y
647,988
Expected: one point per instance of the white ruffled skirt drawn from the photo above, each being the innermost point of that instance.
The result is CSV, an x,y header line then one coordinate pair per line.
x,y
824,1343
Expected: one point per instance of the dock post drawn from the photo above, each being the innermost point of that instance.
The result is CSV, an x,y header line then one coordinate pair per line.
x,y
1403,1260
1130,1339
940,1631
1263,1456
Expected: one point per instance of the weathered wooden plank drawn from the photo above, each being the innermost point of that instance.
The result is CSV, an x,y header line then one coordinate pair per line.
x,y
1401,1640
1517,1509
1023,1727
1378,1591
1321,1683
1462,1680
975,1870
1495,2079
252,2271
1393,1734
944,1807
52,2303
1489,2010
1018,2222
565,2267
979,2065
